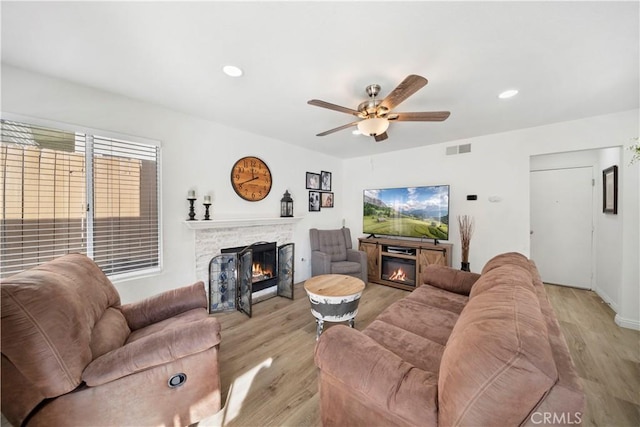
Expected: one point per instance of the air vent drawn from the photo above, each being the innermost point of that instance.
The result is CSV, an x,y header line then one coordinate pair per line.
x,y
458,149
464,148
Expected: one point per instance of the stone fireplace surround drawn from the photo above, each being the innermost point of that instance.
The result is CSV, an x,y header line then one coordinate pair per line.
x,y
213,235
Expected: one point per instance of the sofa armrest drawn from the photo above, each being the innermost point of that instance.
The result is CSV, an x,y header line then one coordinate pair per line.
x,y
162,347
376,375
320,263
449,279
165,305
356,256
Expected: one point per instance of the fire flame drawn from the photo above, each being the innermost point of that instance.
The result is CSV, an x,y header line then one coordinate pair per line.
x,y
259,274
398,275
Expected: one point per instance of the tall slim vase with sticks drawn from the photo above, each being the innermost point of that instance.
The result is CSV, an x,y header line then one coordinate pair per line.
x,y
465,222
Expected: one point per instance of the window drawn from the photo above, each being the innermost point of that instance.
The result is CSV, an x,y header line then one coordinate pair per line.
x,y
65,191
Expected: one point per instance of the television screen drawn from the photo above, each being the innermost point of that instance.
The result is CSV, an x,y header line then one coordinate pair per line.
x,y
407,212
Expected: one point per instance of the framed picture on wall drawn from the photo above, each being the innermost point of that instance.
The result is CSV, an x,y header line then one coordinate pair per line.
x,y
610,190
325,181
313,181
314,201
326,200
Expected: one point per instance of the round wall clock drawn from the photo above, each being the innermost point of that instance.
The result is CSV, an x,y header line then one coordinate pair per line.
x,y
251,178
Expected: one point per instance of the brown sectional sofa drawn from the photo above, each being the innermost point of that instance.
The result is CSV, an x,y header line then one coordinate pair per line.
x,y
462,349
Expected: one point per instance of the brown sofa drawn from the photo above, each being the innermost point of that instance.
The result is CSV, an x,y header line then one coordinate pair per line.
x,y
462,349
72,355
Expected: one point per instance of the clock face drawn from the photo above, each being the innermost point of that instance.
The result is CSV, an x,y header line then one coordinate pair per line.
x,y
251,178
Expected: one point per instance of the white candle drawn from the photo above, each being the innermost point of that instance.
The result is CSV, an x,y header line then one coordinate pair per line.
x,y
192,194
207,199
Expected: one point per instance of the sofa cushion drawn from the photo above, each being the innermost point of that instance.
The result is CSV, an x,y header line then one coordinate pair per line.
x,y
510,258
109,333
436,297
429,322
345,267
497,364
414,349
504,275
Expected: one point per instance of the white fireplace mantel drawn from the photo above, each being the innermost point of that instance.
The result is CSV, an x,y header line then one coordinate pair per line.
x,y
239,222
211,236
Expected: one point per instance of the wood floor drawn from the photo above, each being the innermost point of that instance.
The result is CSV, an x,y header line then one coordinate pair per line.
x,y
607,357
269,377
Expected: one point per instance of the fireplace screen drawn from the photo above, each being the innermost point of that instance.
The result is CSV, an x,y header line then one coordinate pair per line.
x,y
285,270
239,272
223,279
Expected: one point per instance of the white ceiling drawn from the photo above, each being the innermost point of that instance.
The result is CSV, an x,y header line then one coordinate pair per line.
x,y
568,60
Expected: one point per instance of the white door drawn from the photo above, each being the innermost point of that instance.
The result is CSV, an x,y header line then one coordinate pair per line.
x,y
562,225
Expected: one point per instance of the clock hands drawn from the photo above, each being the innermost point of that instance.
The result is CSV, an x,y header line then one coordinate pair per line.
x,y
249,180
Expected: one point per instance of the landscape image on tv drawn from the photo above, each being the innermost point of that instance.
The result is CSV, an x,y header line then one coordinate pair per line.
x,y
408,212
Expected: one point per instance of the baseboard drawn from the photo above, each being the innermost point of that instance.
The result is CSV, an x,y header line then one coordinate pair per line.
x,y
606,298
627,323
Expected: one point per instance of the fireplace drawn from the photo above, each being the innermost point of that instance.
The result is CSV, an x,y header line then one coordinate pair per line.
x,y
399,270
264,271
243,275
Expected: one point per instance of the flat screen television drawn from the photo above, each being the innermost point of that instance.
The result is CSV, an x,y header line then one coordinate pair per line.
x,y
407,212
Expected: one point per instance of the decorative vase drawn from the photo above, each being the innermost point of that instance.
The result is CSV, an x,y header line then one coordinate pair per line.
x,y
465,266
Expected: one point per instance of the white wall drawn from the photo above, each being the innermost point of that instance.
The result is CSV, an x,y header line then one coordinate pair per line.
x,y
498,165
609,237
196,153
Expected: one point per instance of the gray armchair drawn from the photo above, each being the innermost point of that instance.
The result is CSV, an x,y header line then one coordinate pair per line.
x,y
332,253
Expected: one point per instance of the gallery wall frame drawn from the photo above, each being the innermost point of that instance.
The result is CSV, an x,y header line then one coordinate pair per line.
x,y
610,190
314,201
325,181
313,181
326,200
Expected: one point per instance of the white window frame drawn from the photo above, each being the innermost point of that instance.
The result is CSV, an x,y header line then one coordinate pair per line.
x,y
121,277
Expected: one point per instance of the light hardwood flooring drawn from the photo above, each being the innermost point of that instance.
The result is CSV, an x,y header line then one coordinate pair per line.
x,y
607,357
269,379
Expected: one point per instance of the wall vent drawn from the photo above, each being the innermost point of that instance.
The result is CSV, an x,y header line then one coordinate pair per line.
x,y
458,149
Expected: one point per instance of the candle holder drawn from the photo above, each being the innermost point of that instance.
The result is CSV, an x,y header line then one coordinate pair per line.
x,y
206,211
192,211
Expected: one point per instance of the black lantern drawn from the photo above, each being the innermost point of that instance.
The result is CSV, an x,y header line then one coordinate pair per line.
x,y
286,205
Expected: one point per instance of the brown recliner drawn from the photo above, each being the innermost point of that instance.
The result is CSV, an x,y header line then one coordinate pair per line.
x,y
73,355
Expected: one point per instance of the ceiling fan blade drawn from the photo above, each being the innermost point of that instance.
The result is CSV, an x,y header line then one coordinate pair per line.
x,y
381,137
327,132
408,87
427,116
331,106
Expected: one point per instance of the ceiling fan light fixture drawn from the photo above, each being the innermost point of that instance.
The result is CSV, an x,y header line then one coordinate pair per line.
x,y
373,126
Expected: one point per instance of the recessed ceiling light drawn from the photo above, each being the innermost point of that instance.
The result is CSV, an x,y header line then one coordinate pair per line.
x,y
232,71
508,94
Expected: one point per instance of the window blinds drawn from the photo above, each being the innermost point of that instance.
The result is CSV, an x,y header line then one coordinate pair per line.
x,y
65,192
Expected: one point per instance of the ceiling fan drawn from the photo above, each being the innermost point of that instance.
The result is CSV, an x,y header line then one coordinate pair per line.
x,y
376,114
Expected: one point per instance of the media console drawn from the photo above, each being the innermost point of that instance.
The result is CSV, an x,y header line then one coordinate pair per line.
x,y
398,262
